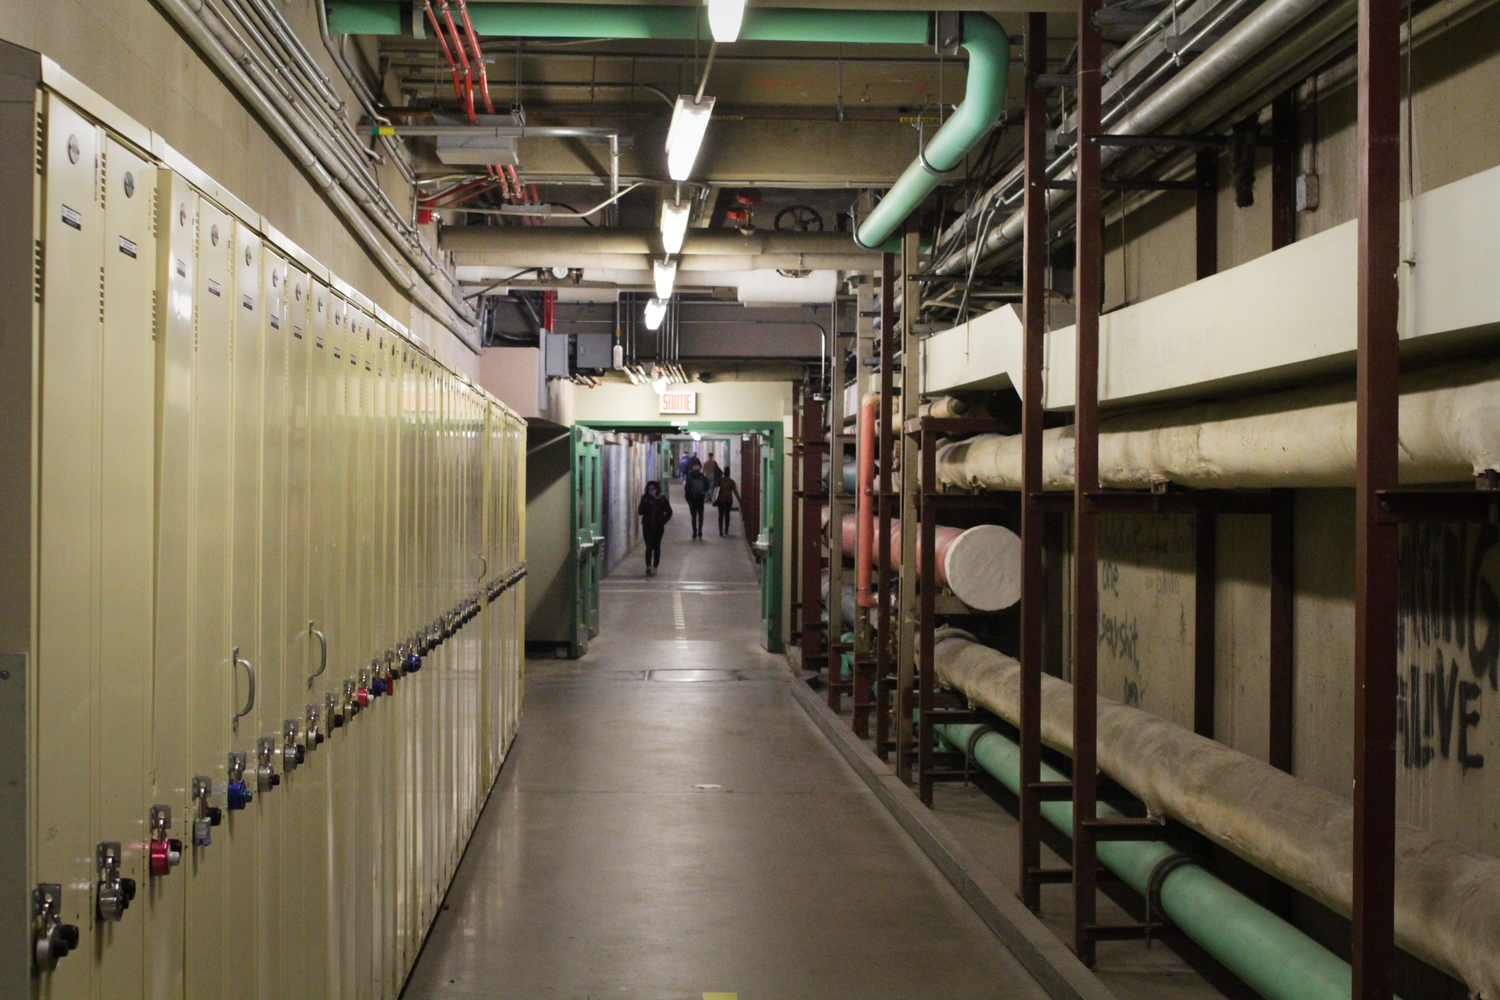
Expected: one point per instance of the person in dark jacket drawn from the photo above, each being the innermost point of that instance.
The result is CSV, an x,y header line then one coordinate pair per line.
x,y
724,499
655,510
695,490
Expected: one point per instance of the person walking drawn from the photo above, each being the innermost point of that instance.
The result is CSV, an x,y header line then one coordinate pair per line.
x,y
712,469
724,500
695,489
655,510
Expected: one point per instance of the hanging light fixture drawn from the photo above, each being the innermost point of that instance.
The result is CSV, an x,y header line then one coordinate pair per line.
x,y
674,223
664,275
725,18
656,311
685,135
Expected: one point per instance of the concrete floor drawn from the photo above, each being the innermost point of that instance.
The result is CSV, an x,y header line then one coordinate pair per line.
x,y
653,837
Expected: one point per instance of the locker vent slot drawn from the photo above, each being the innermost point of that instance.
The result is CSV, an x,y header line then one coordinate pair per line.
x,y
41,144
39,259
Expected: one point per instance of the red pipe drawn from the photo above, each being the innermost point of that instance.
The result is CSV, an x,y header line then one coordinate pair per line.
x,y
865,503
484,77
437,29
467,96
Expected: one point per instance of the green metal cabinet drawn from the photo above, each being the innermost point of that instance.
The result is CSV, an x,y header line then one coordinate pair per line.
x,y
588,537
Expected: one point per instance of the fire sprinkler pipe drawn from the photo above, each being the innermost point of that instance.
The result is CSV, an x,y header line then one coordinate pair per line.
x,y
982,37
865,504
981,565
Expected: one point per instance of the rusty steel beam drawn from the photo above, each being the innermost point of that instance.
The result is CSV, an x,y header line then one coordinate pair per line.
x,y
1087,301
1377,148
1204,607
884,688
1033,519
1207,177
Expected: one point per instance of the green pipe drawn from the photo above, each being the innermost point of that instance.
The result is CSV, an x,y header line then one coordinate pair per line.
x,y
583,20
1270,955
984,100
985,40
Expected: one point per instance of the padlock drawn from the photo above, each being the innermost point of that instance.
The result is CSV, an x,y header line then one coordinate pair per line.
x,y
205,816
113,894
314,727
362,690
266,777
52,939
377,679
238,795
293,751
333,710
165,852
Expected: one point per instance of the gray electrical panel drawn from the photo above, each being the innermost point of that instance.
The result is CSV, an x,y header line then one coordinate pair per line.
x,y
555,354
595,350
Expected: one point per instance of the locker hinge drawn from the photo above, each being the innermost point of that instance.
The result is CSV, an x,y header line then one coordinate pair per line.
x,y
156,212
103,160
39,257
155,317
101,295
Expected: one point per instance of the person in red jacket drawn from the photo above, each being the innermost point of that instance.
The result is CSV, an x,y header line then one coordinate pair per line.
x,y
655,510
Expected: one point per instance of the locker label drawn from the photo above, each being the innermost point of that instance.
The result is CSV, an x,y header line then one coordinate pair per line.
x,y
72,217
181,268
213,287
338,353
275,322
247,302
127,247
297,332
320,342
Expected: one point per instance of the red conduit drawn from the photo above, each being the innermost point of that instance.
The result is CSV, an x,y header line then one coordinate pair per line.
x,y
865,550
467,95
437,30
484,77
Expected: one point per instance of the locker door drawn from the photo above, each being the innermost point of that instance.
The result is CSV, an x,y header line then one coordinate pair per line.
x,y
127,437
303,902
218,686
176,759
72,236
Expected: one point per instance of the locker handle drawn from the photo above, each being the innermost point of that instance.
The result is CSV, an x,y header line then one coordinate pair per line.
x,y
322,655
484,570
234,723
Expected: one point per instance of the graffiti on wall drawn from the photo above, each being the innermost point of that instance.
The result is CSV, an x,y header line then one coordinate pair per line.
x,y
1449,643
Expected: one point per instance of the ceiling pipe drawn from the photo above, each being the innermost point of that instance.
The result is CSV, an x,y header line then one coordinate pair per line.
x,y
984,101
1248,39
983,38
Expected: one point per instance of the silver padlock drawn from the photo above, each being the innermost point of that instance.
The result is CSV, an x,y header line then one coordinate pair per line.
x,y
113,894
51,939
266,777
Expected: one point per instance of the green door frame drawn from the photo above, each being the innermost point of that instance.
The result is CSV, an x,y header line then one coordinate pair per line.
x,y
771,500
585,515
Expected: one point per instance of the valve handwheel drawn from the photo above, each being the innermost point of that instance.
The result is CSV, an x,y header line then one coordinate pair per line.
x,y
800,219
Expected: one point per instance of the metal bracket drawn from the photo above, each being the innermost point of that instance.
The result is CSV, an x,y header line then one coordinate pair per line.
x,y
948,32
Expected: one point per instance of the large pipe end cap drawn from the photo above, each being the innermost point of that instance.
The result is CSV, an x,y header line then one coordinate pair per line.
x,y
984,567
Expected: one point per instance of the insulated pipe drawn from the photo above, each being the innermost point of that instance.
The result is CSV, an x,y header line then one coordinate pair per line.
x,y
1270,955
1246,40
865,503
697,242
1450,431
984,101
1447,897
981,565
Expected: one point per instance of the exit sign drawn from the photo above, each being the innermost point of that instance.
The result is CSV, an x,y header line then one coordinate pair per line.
x,y
679,402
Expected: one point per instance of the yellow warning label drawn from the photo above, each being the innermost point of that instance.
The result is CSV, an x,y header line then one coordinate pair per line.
x,y
721,996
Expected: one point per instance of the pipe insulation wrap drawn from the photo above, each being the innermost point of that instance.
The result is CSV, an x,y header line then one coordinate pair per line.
x,y
1270,955
1447,896
981,565
1450,431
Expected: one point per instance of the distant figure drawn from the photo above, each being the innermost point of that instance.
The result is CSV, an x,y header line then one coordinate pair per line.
x,y
655,511
712,470
695,489
683,463
724,498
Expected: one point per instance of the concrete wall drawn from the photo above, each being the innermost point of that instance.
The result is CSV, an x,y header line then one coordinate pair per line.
x,y
133,56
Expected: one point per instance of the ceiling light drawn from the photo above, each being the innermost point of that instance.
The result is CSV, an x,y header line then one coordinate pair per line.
x,y
696,436
656,311
660,385
689,122
664,274
724,17
674,223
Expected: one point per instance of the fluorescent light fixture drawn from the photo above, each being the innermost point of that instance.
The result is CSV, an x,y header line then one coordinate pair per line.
x,y
696,436
656,311
674,223
664,274
689,122
660,385
724,17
